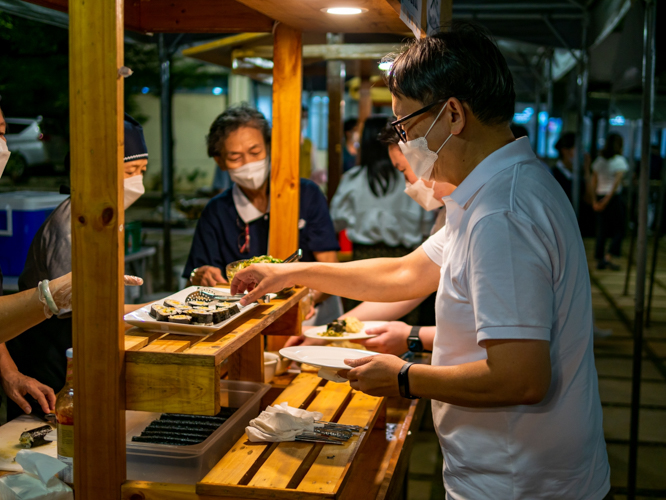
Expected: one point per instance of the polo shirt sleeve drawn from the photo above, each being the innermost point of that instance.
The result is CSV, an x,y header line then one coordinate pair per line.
x,y
206,244
434,245
619,164
343,210
509,278
321,236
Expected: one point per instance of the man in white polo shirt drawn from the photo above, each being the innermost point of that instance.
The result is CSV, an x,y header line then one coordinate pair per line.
x,y
513,383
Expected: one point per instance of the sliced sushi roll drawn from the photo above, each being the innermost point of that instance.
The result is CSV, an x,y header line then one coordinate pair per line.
x,y
154,308
234,309
201,316
164,313
173,303
220,315
198,303
182,319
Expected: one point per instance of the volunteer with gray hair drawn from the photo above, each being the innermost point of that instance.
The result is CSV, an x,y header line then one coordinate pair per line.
x,y
512,382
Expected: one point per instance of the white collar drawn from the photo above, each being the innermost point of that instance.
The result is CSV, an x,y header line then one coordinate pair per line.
x,y
246,210
565,171
515,152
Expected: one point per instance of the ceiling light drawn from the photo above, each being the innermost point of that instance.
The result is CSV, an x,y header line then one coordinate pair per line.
x,y
344,11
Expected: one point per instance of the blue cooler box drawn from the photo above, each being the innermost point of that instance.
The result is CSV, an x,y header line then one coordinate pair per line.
x,y
21,215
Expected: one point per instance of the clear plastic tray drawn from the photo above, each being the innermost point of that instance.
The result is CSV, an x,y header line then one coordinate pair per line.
x,y
189,464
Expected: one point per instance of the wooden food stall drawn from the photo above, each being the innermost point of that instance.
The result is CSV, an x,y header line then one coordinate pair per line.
x,y
114,371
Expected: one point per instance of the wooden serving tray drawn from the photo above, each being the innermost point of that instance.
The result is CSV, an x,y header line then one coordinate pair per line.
x,y
173,373
294,470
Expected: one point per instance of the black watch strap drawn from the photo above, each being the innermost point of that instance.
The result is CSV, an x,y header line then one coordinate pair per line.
x,y
403,381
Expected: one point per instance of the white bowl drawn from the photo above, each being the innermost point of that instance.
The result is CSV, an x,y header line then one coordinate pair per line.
x,y
270,365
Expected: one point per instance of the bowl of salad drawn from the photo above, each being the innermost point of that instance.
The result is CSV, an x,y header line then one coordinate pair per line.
x,y
233,267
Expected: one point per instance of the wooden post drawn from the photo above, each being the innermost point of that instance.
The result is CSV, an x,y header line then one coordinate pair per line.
x,y
97,133
286,143
335,88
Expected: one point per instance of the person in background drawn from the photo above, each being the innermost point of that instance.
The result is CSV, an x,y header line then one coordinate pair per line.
x,y
234,225
371,204
608,170
32,366
308,157
350,149
21,311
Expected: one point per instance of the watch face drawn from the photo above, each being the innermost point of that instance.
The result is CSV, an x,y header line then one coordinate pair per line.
x,y
415,345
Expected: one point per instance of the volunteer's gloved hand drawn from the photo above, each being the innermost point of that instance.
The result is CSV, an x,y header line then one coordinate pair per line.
x,y
133,280
207,276
16,386
56,295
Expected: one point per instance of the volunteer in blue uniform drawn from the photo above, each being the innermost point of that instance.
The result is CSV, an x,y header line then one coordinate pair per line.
x,y
32,366
24,310
234,225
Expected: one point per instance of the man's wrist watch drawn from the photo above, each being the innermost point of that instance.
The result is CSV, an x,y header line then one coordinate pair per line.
x,y
403,382
414,343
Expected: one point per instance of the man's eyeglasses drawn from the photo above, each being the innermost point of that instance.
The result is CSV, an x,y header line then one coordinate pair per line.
x,y
397,125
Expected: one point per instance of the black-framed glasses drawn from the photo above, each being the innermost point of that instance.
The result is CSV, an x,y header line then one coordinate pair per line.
x,y
397,125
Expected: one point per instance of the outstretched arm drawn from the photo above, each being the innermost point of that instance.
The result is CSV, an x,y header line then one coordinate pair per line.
x,y
377,280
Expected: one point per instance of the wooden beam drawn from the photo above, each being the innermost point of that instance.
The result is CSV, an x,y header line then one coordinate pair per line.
x,y
354,51
286,143
201,16
96,124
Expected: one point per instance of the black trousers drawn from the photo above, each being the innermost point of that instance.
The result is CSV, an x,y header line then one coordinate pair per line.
x,y
610,225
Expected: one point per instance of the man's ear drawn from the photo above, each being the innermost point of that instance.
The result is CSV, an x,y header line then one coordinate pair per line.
x,y
456,114
220,162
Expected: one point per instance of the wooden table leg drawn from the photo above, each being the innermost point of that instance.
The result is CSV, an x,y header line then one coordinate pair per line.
x,y
247,363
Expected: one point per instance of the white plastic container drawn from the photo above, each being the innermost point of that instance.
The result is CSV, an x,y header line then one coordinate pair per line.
x,y
270,365
189,464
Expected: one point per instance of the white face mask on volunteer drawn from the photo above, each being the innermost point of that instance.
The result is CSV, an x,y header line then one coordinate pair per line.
x,y
4,156
251,175
419,156
423,195
133,189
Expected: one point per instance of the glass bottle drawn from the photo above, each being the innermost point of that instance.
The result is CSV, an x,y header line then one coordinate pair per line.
x,y
65,422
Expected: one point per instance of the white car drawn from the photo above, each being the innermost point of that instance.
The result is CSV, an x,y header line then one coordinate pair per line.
x,y
30,146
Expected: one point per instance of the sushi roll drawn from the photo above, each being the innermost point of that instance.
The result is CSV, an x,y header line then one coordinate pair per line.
x,y
220,315
234,309
182,319
35,437
173,303
154,308
197,303
164,313
201,316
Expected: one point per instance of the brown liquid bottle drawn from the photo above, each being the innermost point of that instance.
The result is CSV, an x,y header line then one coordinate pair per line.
x,y
65,418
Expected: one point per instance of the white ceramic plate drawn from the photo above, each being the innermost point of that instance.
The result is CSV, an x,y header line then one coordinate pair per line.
x,y
313,333
324,357
143,319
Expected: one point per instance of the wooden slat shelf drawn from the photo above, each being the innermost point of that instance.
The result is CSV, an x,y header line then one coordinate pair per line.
x,y
181,374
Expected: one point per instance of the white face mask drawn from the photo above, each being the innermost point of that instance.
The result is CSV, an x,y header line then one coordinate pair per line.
x,y
4,156
423,195
133,189
251,175
419,156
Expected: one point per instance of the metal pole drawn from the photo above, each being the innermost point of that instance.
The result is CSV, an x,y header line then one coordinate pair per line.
x,y
549,98
582,81
657,237
630,212
537,108
641,253
167,154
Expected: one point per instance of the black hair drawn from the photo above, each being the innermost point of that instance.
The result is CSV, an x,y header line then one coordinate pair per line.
x,y
231,120
375,158
518,131
464,63
349,124
613,146
566,141
388,135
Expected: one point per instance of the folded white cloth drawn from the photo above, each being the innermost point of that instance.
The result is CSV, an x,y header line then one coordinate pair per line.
x,y
281,423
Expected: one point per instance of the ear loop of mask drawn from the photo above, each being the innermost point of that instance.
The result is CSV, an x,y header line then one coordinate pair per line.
x,y
433,124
